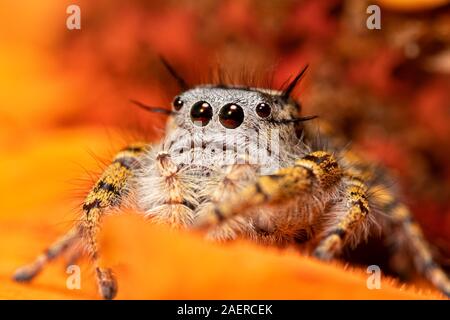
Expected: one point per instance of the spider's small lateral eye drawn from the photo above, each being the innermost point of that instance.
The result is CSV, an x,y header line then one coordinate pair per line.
x,y
263,110
177,103
201,113
231,116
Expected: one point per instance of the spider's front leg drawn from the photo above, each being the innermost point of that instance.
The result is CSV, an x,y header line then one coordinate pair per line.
x,y
354,211
108,193
60,246
315,176
410,239
312,176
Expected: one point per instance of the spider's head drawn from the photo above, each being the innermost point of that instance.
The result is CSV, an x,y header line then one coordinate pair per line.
x,y
256,124
243,121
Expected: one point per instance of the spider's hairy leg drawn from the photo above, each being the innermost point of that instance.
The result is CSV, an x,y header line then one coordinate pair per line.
x,y
355,214
107,193
74,253
415,240
349,222
28,272
315,173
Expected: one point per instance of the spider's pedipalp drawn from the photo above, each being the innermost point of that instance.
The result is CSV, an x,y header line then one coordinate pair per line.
x,y
166,192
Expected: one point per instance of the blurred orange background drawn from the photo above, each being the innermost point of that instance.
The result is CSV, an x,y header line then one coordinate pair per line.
x,y
64,111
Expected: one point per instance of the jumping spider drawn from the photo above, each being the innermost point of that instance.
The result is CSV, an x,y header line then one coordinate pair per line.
x,y
241,162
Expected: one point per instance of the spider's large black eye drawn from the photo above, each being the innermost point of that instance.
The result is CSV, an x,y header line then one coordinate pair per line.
x,y
177,103
201,113
263,110
231,116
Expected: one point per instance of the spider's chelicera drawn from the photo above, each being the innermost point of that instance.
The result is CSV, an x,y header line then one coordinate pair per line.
x,y
243,162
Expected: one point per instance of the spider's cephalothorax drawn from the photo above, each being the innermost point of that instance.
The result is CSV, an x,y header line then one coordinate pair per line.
x,y
241,162
218,140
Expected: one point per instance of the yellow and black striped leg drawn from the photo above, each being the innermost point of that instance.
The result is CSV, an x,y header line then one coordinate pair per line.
x,y
107,193
418,246
74,253
314,174
357,210
28,272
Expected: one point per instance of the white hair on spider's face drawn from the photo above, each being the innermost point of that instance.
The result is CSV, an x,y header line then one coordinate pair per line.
x,y
222,126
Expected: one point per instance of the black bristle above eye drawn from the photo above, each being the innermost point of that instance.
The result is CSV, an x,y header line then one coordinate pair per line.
x,y
181,82
286,94
293,120
152,109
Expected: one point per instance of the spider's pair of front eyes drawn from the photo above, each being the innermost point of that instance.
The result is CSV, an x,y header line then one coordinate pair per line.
x,y
231,115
